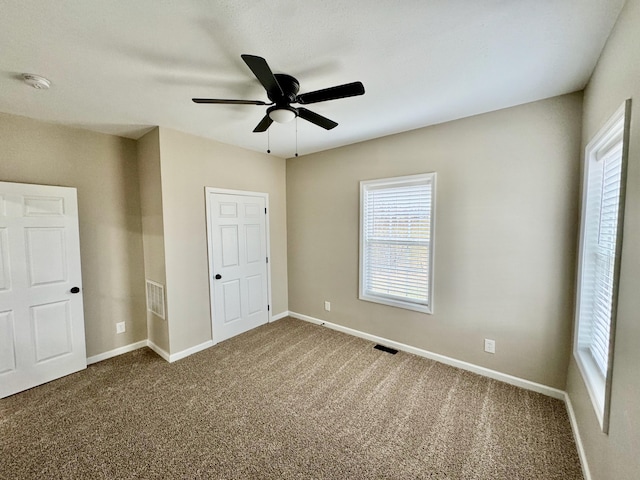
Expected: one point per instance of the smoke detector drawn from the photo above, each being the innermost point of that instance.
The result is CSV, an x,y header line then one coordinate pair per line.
x,y
36,81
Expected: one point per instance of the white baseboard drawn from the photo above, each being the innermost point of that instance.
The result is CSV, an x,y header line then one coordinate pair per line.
x,y
279,316
158,350
190,351
116,351
576,436
503,377
519,382
148,343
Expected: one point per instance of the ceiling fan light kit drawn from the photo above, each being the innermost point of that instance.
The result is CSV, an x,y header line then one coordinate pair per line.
x,y
282,90
282,114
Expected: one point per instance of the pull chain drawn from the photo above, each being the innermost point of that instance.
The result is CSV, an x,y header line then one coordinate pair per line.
x,y
268,142
296,136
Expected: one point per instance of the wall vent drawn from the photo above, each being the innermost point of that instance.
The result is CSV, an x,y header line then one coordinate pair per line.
x,y
155,298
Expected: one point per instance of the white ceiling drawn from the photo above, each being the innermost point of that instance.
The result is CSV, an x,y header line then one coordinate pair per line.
x,y
123,66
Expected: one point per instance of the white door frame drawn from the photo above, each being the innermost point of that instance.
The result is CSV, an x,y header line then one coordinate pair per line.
x,y
207,192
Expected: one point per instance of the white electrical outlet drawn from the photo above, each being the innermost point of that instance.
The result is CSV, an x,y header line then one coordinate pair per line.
x,y
120,327
489,345
327,306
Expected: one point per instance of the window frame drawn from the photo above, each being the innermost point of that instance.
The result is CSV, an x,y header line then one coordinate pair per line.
x,y
365,185
614,132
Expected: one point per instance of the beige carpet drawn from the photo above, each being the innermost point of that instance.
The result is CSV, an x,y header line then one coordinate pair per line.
x,y
289,400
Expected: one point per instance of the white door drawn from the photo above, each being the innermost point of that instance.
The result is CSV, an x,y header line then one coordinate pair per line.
x,y
41,318
237,262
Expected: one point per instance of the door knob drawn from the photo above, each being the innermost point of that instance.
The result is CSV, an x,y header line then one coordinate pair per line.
x,y
218,276
75,290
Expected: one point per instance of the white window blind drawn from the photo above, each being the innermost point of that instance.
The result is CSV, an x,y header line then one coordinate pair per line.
x,y
608,198
396,241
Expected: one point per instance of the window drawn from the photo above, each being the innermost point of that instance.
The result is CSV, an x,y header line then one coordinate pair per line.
x,y
396,241
599,261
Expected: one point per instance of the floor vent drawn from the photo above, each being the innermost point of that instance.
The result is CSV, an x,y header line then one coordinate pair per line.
x,y
392,351
155,298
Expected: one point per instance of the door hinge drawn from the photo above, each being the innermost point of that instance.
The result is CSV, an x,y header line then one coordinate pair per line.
x,y
265,210
267,259
268,307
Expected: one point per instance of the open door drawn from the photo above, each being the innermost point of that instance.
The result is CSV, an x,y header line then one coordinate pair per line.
x,y
41,312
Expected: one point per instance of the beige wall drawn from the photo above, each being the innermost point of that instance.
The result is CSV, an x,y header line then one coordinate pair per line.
x,y
504,244
103,169
153,229
616,78
189,164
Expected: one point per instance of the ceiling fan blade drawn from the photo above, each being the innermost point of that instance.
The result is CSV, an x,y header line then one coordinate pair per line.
x,y
229,102
263,73
332,93
263,125
319,120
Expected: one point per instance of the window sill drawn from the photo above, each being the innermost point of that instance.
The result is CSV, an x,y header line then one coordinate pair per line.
x,y
392,302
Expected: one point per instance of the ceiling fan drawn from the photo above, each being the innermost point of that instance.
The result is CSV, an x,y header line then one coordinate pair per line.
x,y
282,90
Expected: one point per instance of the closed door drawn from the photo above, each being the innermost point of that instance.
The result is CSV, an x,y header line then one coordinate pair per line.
x,y
237,263
41,317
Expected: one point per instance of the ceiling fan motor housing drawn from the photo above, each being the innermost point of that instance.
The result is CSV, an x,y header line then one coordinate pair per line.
x,y
290,87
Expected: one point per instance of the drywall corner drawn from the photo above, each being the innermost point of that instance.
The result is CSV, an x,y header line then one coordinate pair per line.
x,y
153,228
